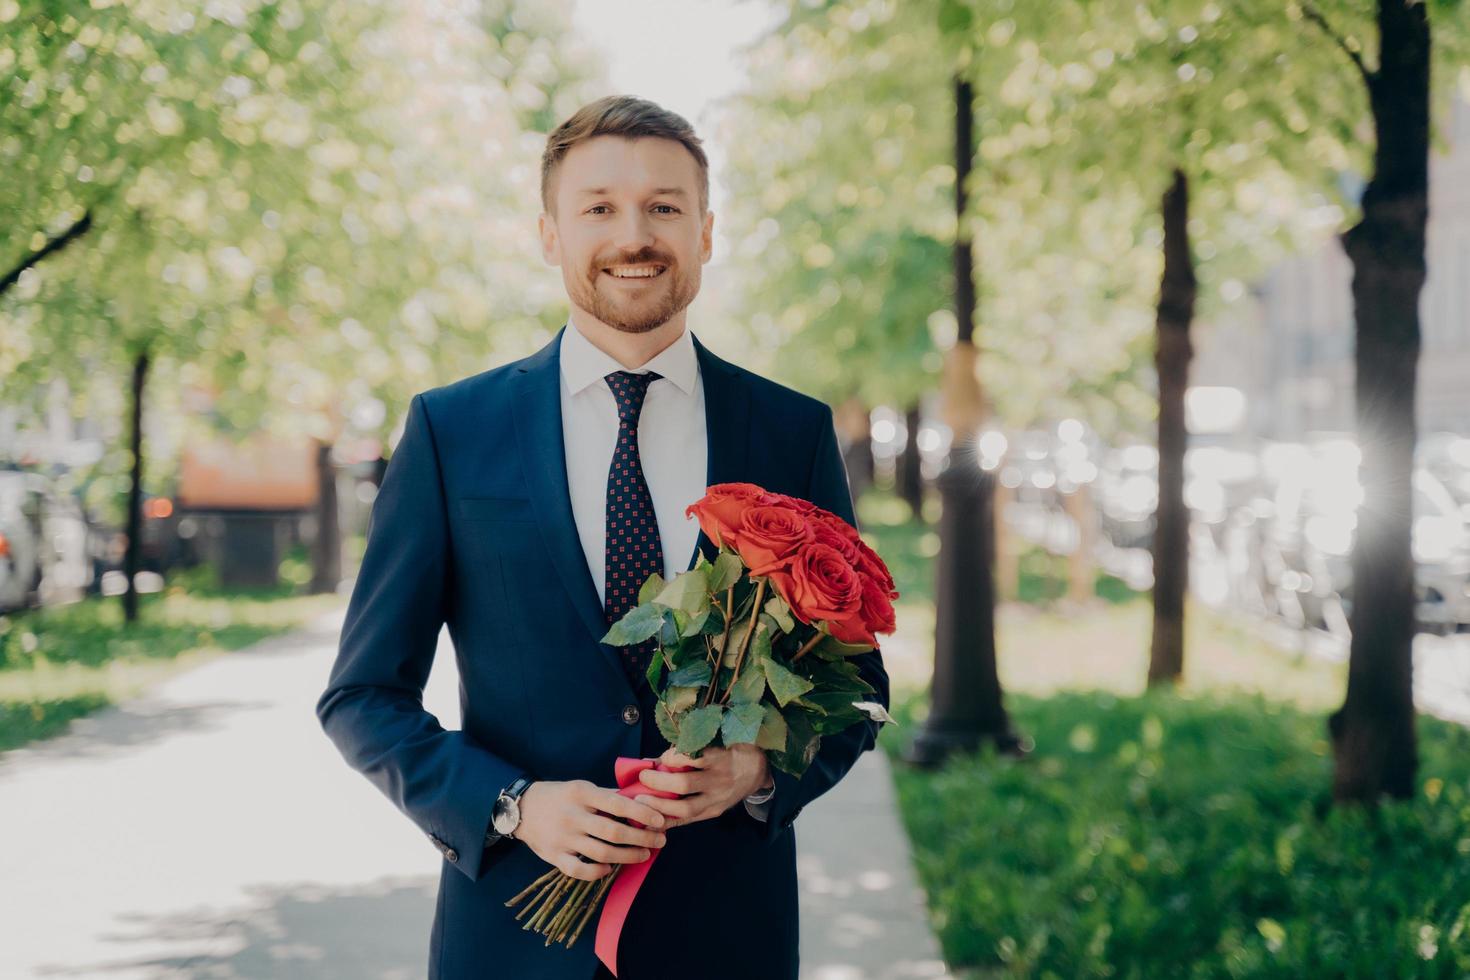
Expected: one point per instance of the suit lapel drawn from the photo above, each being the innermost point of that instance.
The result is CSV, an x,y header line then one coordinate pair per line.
x,y
538,425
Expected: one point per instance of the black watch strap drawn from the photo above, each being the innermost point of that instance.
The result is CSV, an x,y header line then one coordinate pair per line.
x,y
514,791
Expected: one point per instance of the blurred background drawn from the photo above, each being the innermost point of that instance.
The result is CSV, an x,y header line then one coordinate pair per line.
x,y
1147,331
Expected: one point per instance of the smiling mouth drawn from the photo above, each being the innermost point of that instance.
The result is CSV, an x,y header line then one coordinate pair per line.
x,y
636,273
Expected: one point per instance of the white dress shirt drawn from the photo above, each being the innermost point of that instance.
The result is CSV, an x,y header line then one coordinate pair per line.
x,y
672,449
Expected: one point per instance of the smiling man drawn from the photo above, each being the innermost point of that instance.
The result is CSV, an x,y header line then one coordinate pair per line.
x,y
523,507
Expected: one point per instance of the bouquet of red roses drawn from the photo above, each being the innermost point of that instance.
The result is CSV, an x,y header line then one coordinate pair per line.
x,y
753,648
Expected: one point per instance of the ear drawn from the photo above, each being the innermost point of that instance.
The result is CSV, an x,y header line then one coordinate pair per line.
x,y
706,238
550,242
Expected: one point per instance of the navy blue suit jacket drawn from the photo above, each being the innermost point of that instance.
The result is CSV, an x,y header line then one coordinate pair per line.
x,y
472,527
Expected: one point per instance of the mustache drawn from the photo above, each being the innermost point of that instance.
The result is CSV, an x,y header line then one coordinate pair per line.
x,y
641,258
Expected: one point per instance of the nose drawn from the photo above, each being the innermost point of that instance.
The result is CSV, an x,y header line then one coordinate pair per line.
x,y
634,231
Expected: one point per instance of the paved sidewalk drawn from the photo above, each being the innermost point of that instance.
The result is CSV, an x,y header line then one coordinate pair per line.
x,y
210,830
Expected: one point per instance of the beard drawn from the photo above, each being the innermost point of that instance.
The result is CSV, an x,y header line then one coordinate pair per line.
x,y
640,310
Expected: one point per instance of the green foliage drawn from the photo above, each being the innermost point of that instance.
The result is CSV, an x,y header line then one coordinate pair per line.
x,y
305,210
712,692
63,662
1160,836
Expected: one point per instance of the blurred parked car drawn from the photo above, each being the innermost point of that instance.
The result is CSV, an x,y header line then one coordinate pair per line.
x,y
43,542
1309,516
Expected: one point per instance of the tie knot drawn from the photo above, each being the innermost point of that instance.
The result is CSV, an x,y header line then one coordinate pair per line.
x,y
629,388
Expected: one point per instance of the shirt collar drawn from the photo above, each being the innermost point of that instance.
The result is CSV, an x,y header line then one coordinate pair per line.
x,y
584,363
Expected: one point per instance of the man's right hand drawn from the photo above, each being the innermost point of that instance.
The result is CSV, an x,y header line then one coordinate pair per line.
x,y
560,822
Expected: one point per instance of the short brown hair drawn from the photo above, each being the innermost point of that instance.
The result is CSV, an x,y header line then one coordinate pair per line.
x,y
629,117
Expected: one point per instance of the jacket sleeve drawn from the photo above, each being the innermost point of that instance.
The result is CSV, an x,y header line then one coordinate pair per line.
x,y
828,488
372,708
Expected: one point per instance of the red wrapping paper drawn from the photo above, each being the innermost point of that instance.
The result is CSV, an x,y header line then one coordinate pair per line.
x,y
625,887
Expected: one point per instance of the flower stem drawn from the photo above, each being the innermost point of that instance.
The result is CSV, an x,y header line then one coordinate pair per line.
x,y
535,922
538,883
816,638
714,677
602,888
755,611
569,910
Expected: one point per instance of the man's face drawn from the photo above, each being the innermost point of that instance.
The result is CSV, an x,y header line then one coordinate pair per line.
x,y
630,206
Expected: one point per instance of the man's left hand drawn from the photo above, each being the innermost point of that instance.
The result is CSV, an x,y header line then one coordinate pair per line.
x,y
721,778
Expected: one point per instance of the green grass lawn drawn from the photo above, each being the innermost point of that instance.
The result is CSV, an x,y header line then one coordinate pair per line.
x,y
61,662
1165,834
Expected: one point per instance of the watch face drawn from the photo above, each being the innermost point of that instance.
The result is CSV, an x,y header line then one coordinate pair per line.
x,y
507,815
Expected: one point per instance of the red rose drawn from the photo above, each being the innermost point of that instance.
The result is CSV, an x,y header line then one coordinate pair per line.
x,y
824,532
768,537
720,510
819,584
877,610
797,504
870,564
852,630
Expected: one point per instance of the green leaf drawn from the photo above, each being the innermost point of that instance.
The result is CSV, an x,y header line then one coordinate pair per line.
x,y
834,647
802,742
726,571
637,625
667,726
680,699
750,687
695,625
650,589
688,591
785,685
742,724
655,671
779,611
732,645
772,733
698,728
714,623
760,644
669,631
875,712
691,674
812,706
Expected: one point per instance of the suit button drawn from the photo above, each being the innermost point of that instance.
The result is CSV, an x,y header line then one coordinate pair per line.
x,y
630,714
451,855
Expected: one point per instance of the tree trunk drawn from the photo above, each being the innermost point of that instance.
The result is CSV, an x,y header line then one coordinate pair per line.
x,y
909,477
966,701
77,230
326,550
854,431
1171,360
132,557
1373,739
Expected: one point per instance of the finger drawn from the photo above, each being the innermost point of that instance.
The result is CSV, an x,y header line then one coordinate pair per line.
x,y
617,805
573,866
670,782
678,809
600,850
616,832
675,758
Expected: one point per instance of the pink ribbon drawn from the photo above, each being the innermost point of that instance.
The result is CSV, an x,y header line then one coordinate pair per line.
x,y
624,889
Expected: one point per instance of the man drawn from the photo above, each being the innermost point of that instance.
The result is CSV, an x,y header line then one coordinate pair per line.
x,y
523,507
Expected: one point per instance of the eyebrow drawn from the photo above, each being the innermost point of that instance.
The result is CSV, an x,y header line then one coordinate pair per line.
x,y
674,191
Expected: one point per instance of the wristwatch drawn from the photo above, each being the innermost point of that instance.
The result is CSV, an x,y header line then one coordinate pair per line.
x,y
762,795
507,813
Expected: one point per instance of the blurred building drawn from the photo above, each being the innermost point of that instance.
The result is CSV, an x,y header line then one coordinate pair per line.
x,y
1289,347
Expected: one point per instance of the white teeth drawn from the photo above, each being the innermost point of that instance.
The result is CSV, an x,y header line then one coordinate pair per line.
x,y
634,273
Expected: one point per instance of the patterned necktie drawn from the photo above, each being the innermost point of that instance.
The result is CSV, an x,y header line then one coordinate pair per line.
x,y
634,550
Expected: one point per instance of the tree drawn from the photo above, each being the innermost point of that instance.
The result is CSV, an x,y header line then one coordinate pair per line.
x,y
1373,739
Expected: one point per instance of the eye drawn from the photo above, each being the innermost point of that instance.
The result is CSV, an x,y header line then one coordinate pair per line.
x,y
595,207
669,206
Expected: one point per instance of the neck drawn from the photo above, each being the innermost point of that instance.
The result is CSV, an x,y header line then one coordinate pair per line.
x,y
631,350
